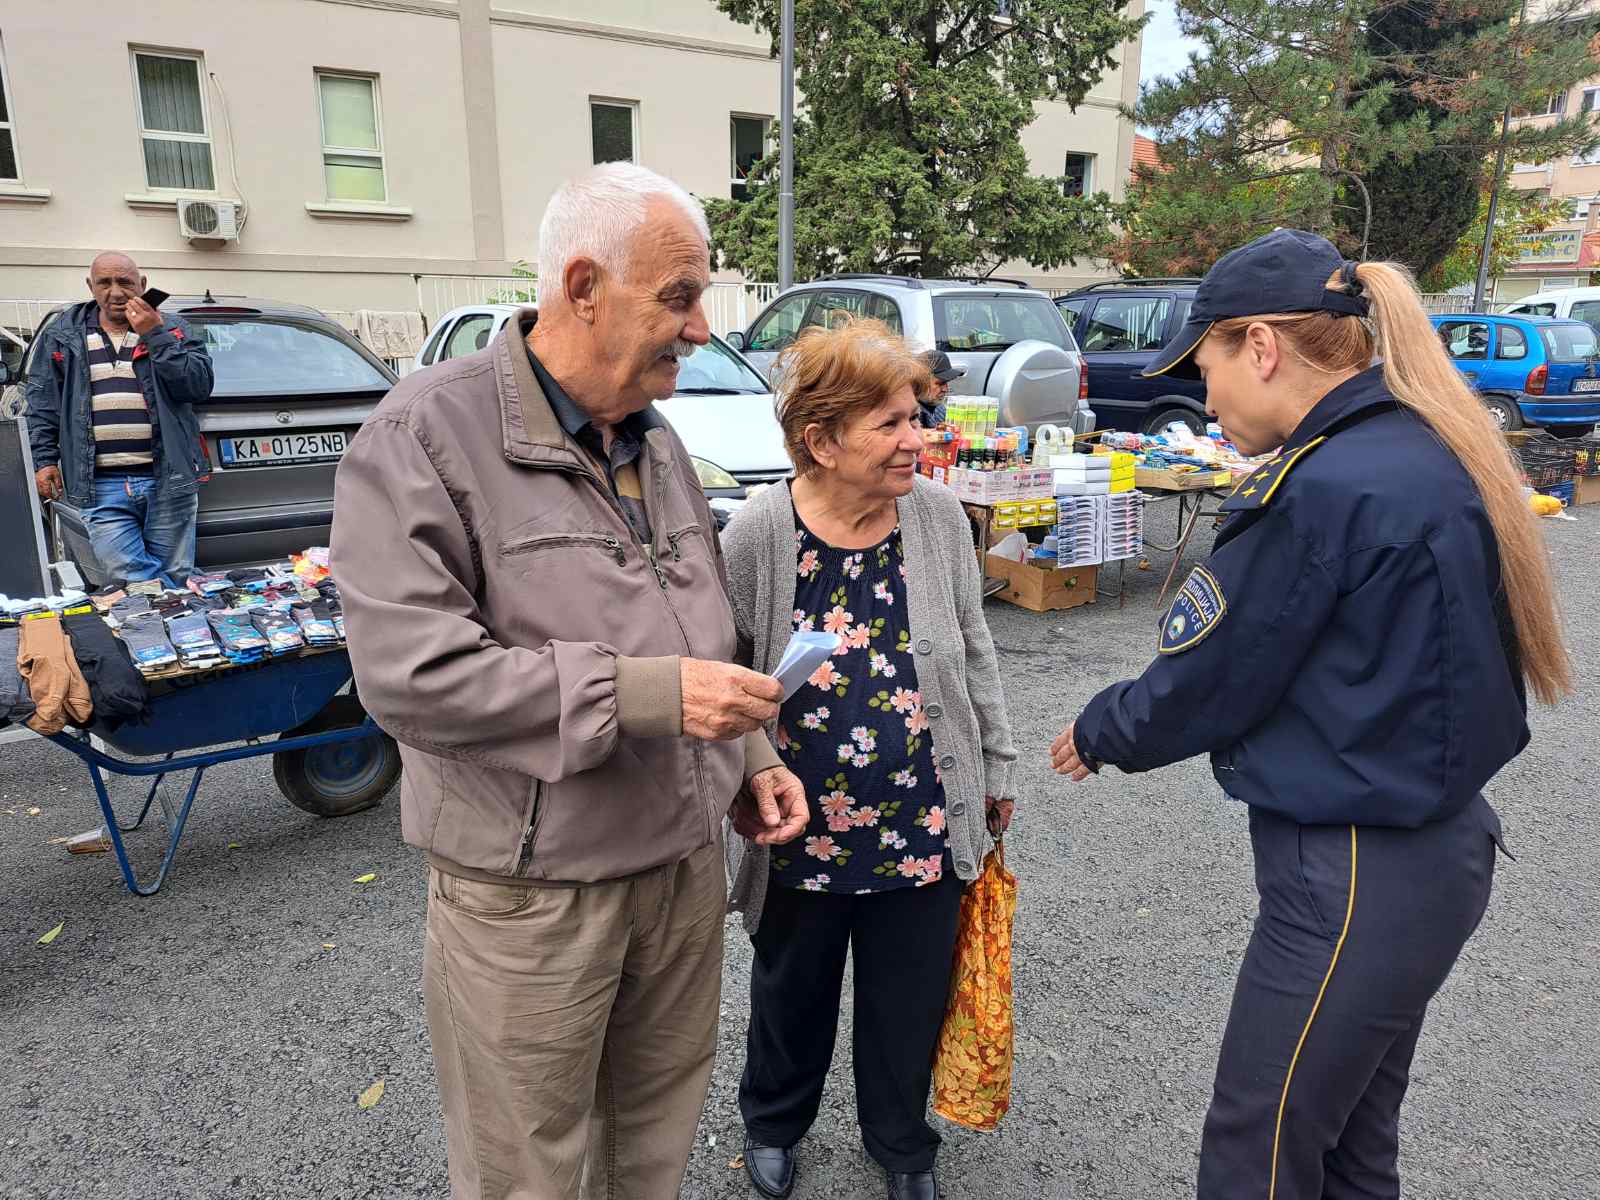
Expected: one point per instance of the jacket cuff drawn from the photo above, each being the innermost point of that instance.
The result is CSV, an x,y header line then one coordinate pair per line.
x,y
649,697
159,336
759,755
997,778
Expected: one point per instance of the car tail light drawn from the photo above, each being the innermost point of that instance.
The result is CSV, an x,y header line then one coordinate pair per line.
x,y
1537,378
1083,381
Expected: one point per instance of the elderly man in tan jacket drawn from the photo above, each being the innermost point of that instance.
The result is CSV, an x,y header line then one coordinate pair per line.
x,y
537,611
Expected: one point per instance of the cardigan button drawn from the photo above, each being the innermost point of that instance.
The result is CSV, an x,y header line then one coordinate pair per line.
x,y
959,807
947,762
924,646
934,711
964,866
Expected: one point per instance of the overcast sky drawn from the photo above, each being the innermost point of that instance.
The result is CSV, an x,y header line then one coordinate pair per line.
x,y
1165,49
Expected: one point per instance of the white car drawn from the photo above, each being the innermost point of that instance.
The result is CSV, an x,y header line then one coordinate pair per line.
x,y
1576,303
723,409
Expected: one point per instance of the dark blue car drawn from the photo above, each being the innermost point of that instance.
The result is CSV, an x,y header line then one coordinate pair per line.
x,y
1120,326
1528,370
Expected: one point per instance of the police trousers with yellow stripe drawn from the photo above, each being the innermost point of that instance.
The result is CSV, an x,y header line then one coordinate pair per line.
x,y
1358,928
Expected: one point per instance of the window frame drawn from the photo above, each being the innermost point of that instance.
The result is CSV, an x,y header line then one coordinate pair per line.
x,y
199,60
1503,332
1162,303
770,315
318,74
615,102
1459,322
1088,172
10,122
734,181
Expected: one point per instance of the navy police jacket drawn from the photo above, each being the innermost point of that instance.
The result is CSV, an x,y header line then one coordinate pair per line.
x,y
1345,653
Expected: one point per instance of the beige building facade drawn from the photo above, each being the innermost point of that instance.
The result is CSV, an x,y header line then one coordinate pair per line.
x,y
1567,254
383,154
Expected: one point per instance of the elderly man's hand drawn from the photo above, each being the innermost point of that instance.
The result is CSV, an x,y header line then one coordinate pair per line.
x,y
722,701
774,810
48,481
142,317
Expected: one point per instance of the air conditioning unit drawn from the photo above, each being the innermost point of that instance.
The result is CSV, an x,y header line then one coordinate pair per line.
x,y
208,220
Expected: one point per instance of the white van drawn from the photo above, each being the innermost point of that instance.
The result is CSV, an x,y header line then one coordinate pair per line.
x,y
1579,303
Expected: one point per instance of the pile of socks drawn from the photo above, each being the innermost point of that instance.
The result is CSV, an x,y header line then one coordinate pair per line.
x,y
191,638
241,643
145,635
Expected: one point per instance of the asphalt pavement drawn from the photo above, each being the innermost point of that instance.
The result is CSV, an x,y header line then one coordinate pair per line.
x,y
213,1040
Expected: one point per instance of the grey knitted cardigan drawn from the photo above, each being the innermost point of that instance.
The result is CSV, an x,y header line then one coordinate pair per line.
x,y
957,671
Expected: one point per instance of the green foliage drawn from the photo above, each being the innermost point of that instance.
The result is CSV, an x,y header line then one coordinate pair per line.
x,y
1521,213
908,156
1400,98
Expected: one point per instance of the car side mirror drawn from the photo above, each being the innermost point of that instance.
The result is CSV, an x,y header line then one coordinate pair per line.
x,y
735,339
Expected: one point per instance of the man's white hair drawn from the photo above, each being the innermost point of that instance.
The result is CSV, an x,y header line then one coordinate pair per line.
x,y
596,214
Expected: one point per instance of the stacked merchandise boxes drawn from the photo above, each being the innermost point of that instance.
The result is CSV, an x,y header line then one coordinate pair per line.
x,y
1124,526
1080,530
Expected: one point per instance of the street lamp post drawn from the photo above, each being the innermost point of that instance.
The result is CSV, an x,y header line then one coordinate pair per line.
x,y
786,152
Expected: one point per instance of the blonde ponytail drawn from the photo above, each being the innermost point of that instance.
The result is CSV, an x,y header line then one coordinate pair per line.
x,y
1422,378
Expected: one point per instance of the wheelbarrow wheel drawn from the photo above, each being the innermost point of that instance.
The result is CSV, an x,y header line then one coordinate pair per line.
x,y
340,778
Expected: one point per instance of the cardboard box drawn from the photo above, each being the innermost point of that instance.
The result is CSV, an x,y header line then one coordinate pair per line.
x,y
1586,489
1042,589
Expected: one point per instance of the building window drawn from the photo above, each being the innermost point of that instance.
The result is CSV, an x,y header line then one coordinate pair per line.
x,y
352,138
1079,173
1591,99
748,146
1553,105
172,122
615,126
8,135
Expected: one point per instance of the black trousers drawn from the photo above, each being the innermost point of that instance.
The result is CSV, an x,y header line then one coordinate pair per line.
x,y
903,942
1358,928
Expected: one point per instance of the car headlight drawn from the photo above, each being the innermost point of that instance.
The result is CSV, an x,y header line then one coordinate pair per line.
x,y
713,476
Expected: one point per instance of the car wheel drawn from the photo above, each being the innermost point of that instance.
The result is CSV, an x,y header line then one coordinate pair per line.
x,y
1167,416
1505,412
1569,433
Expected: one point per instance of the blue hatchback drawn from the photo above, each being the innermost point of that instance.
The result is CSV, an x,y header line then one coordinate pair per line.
x,y
1528,370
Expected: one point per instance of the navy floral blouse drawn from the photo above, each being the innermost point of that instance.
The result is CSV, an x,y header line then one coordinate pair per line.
x,y
856,734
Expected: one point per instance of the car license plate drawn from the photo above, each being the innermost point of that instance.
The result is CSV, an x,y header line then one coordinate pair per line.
x,y
283,449
1586,385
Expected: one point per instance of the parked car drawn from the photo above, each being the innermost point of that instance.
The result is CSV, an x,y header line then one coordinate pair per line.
x,y
722,410
1577,304
1121,325
1013,342
292,387
1528,370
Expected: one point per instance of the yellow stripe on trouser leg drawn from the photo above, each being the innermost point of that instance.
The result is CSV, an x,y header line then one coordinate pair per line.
x,y
1283,1101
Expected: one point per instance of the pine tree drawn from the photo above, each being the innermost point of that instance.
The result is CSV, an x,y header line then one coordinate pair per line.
x,y
1387,106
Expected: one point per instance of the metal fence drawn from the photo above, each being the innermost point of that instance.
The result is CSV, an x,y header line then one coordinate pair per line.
x,y
729,306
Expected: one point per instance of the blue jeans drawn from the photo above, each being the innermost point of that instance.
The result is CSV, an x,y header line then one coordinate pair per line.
x,y
139,531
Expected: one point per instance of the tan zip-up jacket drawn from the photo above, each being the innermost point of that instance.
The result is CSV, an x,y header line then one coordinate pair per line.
x,y
511,632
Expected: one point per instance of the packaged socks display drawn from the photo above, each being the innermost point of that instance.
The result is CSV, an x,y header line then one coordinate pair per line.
x,y
191,638
279,628
145,635
237,633
316,623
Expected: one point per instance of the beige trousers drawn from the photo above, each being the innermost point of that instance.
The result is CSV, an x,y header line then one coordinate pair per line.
x,y
574,1029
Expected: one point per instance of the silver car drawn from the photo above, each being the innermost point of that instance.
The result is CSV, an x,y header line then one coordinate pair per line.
x,y
292,387
1012,340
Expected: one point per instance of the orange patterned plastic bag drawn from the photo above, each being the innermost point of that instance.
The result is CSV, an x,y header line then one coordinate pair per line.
x,y
972,1061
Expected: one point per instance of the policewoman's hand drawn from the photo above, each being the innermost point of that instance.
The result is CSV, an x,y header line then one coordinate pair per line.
x,y
1064,757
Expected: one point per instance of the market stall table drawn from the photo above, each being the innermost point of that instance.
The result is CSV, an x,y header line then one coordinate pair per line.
x,y
1190,489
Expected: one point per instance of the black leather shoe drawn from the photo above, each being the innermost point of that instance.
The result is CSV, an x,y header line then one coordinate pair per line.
x,y
913,1185
771,1169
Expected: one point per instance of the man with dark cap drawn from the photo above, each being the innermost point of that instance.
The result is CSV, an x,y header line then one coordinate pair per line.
x,y
931,412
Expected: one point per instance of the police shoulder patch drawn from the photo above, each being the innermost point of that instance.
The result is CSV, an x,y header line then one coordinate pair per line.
x,y
1196,610
1259,487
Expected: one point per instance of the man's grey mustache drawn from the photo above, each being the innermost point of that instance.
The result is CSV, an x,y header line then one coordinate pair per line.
x,y
682,349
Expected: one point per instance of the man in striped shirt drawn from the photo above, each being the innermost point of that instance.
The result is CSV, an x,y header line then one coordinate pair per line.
x,y
111,419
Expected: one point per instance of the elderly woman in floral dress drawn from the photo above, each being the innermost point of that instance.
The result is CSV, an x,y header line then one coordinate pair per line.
x,y
900,738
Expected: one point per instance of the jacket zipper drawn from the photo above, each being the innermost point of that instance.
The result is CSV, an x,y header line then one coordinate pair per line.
x,y
527,545
525,854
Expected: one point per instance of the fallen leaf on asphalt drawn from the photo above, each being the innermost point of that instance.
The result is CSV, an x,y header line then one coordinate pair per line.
x,y
371,1096
367,878
59,841
233,845
327,945
735,1164
33,812
52,935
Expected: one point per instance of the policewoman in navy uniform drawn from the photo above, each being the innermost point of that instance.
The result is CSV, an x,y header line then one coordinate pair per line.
x,y
1353,656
